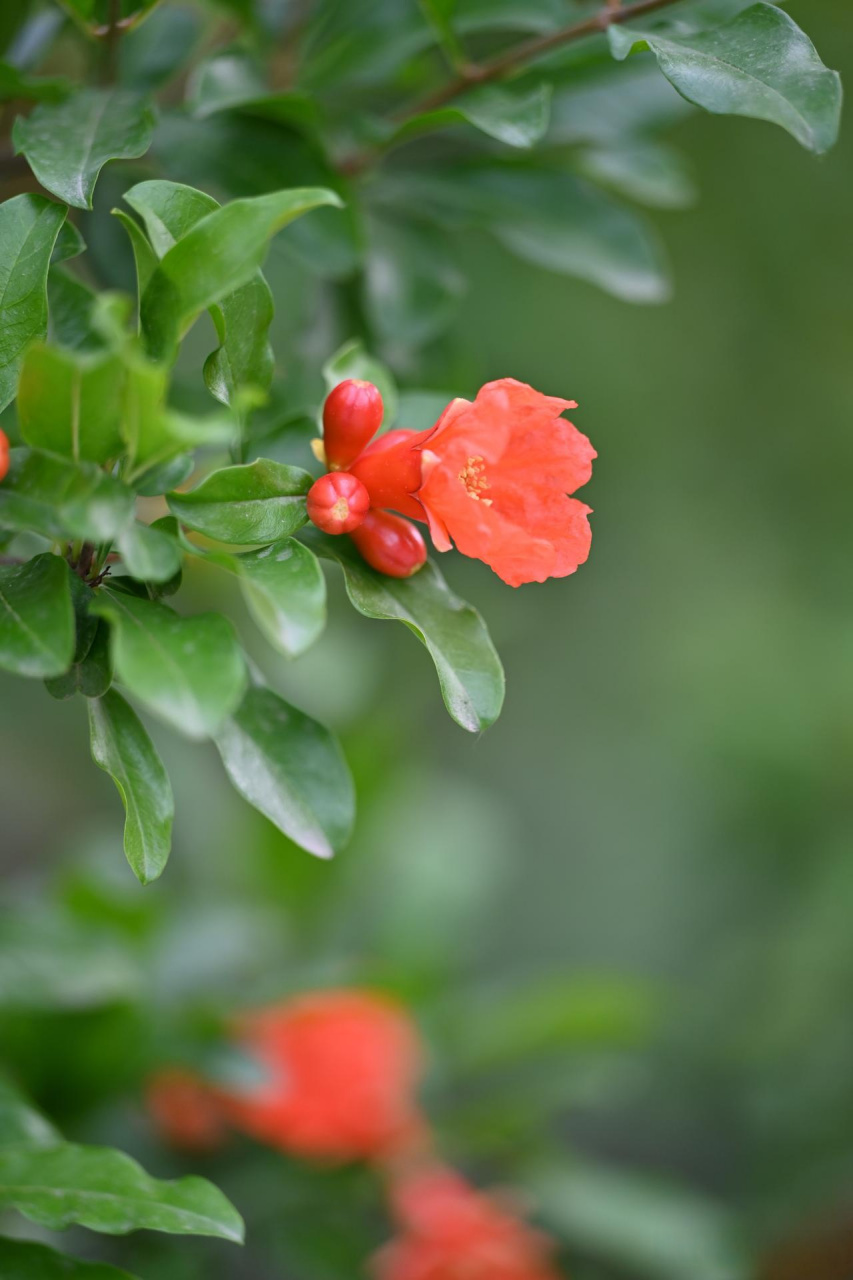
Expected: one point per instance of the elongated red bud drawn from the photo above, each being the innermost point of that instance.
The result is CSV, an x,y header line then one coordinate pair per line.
x,y
337,502
352,415
390,544
4,454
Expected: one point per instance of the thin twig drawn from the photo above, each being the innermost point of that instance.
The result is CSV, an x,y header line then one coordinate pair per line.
x,y
506,63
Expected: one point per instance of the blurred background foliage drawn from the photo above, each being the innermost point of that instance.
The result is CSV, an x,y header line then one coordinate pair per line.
x,y
621,917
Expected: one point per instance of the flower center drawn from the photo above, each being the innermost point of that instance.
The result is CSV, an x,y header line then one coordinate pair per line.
x,y
473,479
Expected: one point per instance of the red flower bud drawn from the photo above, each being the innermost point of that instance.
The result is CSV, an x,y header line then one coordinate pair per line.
x,y
337,502
4,455
390,544
352,415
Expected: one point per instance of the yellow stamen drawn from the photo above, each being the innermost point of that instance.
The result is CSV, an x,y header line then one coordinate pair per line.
x,y
473,479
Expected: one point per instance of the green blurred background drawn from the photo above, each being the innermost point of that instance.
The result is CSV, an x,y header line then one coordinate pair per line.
x,y
622,916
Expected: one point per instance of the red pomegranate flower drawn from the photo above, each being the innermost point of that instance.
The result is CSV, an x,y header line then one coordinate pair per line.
x,y
4,454
492,476
449,1231
340,1073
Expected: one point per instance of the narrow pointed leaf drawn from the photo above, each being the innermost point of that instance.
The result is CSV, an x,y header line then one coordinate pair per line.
x,y
189,671
68,143
260,502
469,669
759,64
291,769
25,1260
36,617
105,1190
29,226
215,257
143,255
57,498
123,749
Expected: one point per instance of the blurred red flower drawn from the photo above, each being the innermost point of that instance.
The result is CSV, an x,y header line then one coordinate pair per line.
x,y
340,1071
185,1111
493,476
450,1231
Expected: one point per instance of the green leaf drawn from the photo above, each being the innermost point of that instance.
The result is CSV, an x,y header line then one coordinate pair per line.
x,y
123,749
352,361
760,64
412,284
639,1223
36,617
69,244
95,15
29,226
516,119
189,671
24,1260
16,85
107,1191
70,402
469,669
68,143
218,255
260,502
143,255
20,1122
648,172
61,499
243,318
232,81
153,54
51,962
155,434
284,587
165,477
291,769
92,673
71,305
149,554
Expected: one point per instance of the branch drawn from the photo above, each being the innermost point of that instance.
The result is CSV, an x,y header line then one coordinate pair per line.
x,y
487,72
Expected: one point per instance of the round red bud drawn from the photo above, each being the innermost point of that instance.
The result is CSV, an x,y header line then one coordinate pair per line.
x,y
390,544
352,415
337,502
4,454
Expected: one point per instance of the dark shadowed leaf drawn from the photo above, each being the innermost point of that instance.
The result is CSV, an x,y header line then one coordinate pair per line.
x,y
36,617
29,226
291,769
20,1122
190,671
68,143
123,749
260,502
469,669
25,1260
107,1191
17,85
760,64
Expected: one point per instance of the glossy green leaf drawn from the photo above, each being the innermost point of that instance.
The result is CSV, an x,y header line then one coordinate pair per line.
x,y
68,143
29,226
760,64
218,255
189,671
469,669
165,476
70,402
69,244
123,749
260,502
284,587
58,498
352,361
36,617
72,304
516,119
25,1260
20,1122
291,769
143,255
105,1190
412,283
648,172
149,554
243,318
